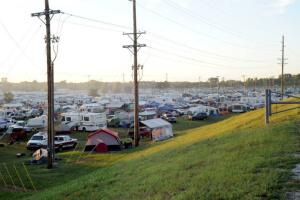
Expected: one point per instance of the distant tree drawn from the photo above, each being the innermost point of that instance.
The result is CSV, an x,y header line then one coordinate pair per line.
x,y
93,93
162,85
8,97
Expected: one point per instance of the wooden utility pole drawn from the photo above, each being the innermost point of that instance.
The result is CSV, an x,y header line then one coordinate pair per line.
x,y
136,86
134,49
282,68
50,80
244,79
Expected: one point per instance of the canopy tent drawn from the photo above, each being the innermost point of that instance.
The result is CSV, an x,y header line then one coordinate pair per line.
x,y
160,128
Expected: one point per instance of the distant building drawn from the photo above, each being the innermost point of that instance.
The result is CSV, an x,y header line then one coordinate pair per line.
x,y
4,80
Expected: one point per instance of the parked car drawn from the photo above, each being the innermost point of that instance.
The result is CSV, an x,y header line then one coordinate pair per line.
x,y
143,132
66,128
16,133
169,117
61,142
37,141
198,116
113,122
18,116
3,125
23,124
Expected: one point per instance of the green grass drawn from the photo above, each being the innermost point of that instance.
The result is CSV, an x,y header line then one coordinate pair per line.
x,y
233,158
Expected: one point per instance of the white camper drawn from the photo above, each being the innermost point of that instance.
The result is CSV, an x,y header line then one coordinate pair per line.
x,y
92,107
70,117
37,122
238,108
210,111
92,121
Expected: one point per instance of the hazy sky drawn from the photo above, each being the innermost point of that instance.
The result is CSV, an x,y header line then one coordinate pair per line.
x,y
186,39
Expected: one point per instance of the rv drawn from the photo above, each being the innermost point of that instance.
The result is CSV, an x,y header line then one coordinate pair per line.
x,y
38,122
238,108
92,121
92,107
70,117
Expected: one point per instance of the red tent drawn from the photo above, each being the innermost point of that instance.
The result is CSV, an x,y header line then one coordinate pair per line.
x,y
103,140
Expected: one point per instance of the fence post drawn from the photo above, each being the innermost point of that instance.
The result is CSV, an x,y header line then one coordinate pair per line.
x,y
270,102
267,107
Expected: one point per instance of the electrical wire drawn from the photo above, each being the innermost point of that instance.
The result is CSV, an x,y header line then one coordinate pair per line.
x,y
94,27
97,21
205,20
199,61
194,49
158,37
199,18
196,31
22,50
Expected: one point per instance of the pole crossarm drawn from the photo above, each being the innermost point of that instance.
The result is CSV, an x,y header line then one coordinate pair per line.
x,y
45,13
51,12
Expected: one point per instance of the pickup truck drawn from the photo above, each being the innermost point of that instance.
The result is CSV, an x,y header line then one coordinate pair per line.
x,y
40,140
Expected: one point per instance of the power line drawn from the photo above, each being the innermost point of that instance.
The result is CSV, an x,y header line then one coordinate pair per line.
x,y
197,17
292,51
16,43
155,36
194,30
219,56
197,60
94,27
205,20
98,21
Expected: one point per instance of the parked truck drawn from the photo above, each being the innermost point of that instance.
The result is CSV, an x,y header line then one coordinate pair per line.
x,y
61,142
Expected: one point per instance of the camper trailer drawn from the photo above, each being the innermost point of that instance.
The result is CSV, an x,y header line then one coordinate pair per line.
x,y
92,121
92,107
210,111
70,117
38,122
238,108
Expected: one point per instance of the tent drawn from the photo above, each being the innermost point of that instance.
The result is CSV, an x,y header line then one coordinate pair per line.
x,y
160,128
103,140
39,156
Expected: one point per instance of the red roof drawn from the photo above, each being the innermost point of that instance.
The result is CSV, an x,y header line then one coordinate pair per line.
x,y
105,130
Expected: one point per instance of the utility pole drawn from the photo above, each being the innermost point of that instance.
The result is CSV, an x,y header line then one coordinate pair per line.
x,y
218,88
134,49
282,63
244,78
50,78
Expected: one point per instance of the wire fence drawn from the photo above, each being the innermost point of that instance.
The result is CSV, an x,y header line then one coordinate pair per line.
x,y
15,177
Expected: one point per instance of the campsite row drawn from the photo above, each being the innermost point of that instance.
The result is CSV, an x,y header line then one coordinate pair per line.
x,y
28,112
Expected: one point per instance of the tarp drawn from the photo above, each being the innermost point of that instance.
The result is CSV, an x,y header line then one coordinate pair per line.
x,y
156,123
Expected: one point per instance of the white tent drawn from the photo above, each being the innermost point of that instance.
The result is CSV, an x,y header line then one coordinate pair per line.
x,y
40,154
161,129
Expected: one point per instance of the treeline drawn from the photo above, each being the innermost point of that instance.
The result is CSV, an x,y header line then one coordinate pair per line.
x,y
105,87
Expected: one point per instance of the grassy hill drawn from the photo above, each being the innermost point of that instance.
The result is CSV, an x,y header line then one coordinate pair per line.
x,y
237,158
